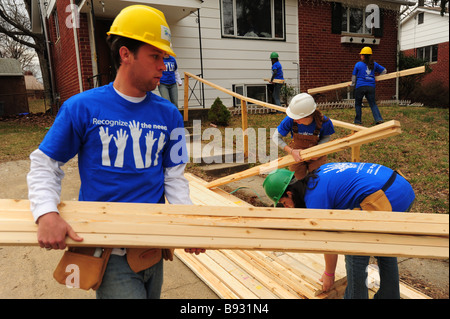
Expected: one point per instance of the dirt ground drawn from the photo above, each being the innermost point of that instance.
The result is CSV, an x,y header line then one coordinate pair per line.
x,y
26,272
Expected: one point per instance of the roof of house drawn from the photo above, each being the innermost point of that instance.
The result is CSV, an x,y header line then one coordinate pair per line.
x,y
10,67
32,84
417,10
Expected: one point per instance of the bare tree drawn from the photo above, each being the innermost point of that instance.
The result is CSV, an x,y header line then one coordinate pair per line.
x,y
18,41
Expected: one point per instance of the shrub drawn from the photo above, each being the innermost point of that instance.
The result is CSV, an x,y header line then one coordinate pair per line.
x,y
219,114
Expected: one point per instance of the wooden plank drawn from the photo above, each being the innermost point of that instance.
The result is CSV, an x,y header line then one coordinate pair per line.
x,y
217,281
242,275
384,130
392,75
275,81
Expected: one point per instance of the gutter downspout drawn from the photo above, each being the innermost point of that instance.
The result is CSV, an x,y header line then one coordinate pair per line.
x,y
47,45
75,25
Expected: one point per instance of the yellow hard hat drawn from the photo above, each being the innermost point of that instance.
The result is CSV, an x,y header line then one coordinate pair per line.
x,y
145,24
366,50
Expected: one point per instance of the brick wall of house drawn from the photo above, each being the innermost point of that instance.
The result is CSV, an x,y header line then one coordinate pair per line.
x,y
440,69
325,61
64,60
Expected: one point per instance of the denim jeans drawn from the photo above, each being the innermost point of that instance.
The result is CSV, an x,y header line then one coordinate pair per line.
x,y
369,93
169,92
357,276
276,93
120,282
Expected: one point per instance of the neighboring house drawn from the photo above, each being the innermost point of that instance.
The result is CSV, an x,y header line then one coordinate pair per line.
x,y
13,94
425,35
229,42
35,89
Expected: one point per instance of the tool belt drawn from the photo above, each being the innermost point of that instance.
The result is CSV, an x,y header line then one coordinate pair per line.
x,y
378,200
78,268
142,258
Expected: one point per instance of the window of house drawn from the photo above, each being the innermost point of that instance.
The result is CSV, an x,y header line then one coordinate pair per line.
x,y
254,91
56,22
428,53
420,19
250,19
354,21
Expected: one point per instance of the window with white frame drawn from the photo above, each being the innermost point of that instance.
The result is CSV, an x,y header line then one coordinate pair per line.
x,y
428,53
253,19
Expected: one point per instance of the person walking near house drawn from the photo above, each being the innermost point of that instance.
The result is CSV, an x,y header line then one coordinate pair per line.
x,y
130,145
170,80
363,80
277,74
308,127
365,186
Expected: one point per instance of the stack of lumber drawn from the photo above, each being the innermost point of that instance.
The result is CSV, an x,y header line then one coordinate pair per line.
x,y
252,249
363,136
243,274
110,224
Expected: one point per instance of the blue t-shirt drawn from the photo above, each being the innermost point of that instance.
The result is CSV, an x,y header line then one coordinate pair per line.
x,y
286,126
346,185
168,76
277,66
122,147
364,76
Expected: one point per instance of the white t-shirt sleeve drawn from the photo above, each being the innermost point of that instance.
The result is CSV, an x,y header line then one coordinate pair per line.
x,y
176,186
44,184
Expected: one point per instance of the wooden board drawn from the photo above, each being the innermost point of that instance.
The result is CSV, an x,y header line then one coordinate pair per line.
x,y
275,81
253,228
392,75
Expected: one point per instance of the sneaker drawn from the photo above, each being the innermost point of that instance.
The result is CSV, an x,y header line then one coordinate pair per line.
x,y
379,122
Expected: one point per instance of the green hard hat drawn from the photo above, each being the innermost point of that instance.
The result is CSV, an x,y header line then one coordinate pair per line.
x,y
274,55
276,183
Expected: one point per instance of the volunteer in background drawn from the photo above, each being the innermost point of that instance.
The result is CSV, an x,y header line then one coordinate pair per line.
x,y
308,127
363,80
344,186
170,80
124,136
277,74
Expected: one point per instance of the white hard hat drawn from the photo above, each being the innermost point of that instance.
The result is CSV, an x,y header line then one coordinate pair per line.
x,y
302,105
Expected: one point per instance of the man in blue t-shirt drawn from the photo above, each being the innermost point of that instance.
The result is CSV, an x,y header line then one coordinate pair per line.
x,y
363,80
131,148
366,186
277,74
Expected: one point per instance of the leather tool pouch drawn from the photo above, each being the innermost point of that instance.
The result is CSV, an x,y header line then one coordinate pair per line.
x,y
376,202
78,268
142,258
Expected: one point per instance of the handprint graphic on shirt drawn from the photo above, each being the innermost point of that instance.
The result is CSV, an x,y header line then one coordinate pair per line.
x,y
106,139
161,143
121,142
136,132
149,142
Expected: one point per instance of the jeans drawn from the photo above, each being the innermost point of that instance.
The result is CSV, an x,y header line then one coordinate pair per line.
x,y
357,278
120,282
169,92
369,92
276,93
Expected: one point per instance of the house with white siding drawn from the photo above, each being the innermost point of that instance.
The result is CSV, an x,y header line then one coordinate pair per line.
x,y
424,34
229,42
